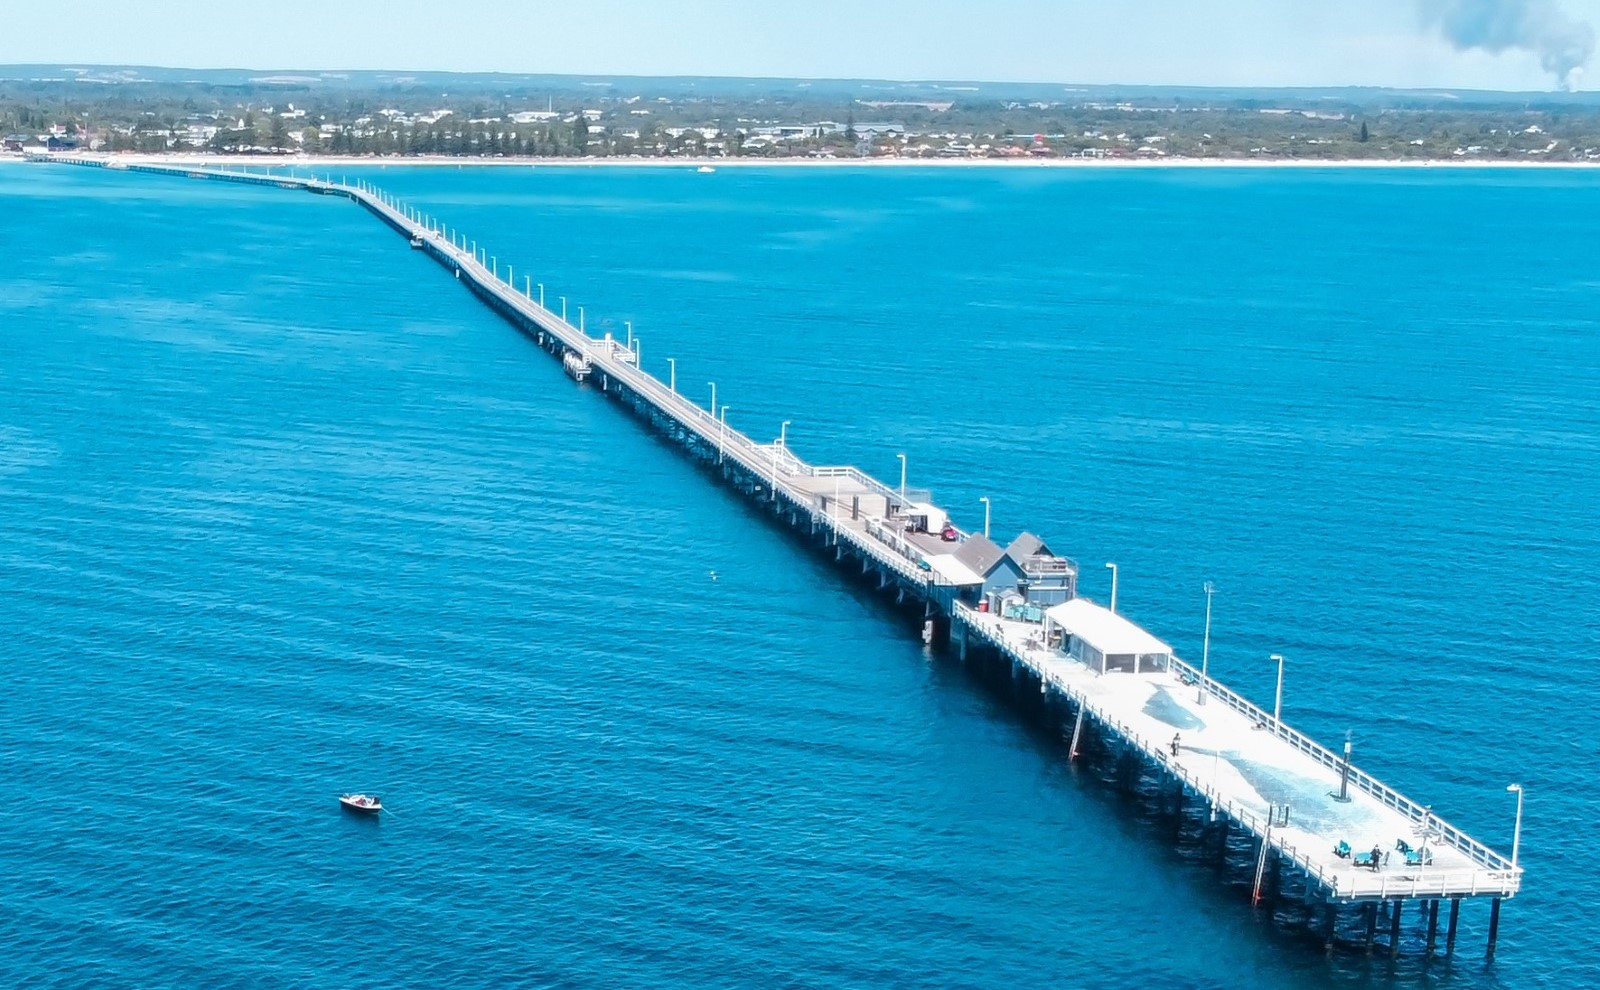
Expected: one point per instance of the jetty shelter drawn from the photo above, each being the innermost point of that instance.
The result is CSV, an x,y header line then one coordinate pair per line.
x,y
1104,641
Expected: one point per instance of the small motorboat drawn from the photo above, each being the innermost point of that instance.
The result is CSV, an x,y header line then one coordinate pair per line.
x,y
367,804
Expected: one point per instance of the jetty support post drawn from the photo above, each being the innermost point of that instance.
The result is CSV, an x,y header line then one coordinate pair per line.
x,y
1394,929
1494,929
1450,929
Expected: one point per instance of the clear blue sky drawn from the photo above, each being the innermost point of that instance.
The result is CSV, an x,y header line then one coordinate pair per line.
x,y
1206,42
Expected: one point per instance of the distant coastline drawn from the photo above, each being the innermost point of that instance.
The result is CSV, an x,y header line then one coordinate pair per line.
x,y
444,161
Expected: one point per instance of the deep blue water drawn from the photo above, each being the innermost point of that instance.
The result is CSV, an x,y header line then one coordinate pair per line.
x,y
286,512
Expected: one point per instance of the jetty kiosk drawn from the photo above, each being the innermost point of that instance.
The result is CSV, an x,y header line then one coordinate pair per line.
x,y
1316,831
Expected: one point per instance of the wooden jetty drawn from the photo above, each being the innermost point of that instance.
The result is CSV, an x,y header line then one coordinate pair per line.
x,y
1303,827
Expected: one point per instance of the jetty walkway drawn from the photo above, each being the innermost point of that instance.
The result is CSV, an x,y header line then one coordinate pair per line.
x,y
1317,833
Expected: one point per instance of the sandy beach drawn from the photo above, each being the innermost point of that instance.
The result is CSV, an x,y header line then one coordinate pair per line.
x,y
441,161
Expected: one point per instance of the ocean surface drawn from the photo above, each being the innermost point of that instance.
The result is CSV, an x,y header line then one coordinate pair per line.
x,y
285,512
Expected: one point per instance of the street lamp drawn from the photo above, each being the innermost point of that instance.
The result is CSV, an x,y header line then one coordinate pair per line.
x,y
541,294
902,481
1516,834
1205,649
985,500
580,319
722,432
1277,706
1113,586
713,399
783,434
672,380
563,309
629,325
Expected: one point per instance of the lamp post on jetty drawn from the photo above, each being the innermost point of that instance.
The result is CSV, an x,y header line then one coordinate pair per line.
x,y
985,500
1343,797
713,399
1277,705
541,294
672,375
563,309
1113,586
902,481
1205,648
1516,832
580,319
629,325
722,431
783,437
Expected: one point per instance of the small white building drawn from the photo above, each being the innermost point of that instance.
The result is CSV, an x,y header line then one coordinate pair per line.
x,y
1104,641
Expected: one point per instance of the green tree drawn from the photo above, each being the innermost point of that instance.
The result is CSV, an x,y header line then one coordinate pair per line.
x,y
278,135
1365,134
580,136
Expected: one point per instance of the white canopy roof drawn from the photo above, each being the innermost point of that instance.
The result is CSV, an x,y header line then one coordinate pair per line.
x,y
1103,629
952,570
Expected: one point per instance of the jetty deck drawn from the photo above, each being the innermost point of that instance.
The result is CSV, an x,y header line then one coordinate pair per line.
x,y
1279,785
1234,762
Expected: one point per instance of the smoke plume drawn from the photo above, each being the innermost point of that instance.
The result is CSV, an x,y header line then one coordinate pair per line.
x,y
1562,43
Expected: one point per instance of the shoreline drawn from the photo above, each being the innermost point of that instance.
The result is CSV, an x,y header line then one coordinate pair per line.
x,y
446,161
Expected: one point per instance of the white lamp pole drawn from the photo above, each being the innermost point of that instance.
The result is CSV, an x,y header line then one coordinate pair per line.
x,y
1113,586
1205,648
541,294
902,481
563,309
1277,706
713,399
672,377
985,500
1516,833
722,432
580,319
783,434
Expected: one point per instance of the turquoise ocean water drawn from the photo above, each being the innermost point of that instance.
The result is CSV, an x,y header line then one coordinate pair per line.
x,y
285,512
